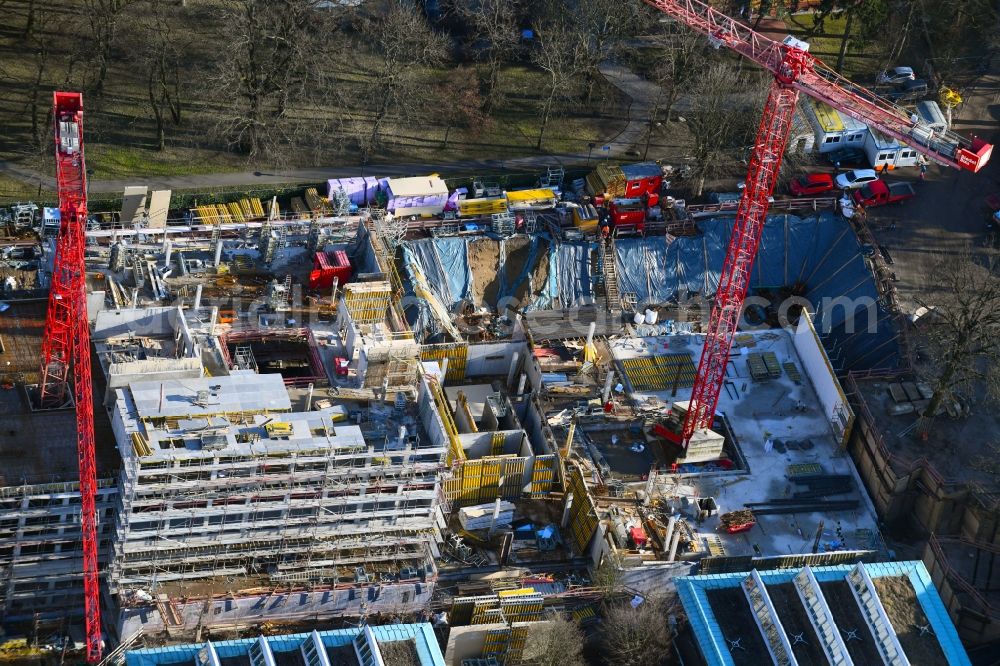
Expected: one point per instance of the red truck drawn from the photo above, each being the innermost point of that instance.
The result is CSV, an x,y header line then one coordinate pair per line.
x,y
628,215
880,193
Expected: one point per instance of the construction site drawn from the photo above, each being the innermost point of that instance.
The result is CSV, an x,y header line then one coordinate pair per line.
x,y
447,406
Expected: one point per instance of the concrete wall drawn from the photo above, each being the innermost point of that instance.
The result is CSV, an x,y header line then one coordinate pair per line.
x,y
478,444
467,642
429,417
494,358
816,366
152,322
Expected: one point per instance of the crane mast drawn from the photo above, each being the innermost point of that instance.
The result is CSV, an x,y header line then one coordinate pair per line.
x,y
66,345
795,70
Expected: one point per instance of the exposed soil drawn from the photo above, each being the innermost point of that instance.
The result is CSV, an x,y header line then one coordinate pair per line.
x,y
848,617
795,621
518,252
904,611
736,621
484,259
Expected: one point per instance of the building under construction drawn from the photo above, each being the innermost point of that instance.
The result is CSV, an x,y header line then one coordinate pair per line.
x,y
289,440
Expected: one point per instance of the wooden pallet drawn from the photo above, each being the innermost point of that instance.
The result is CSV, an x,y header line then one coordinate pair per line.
x,y
772,365
802,469
793,372
757,368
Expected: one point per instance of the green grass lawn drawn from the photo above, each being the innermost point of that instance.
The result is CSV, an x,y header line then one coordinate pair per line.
x,y
114,162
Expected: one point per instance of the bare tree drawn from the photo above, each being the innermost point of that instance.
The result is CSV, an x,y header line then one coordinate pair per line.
x,y
608,577
158,50
555,642
723,122
494,39
274,59
638,636
963,334
403,45
679,59
562,55
104,17
459,103
39,45
604,24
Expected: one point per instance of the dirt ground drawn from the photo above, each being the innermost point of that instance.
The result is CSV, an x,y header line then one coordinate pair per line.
x,y
906,615
734,617
518,252
796,622
484,258
484,261
848,617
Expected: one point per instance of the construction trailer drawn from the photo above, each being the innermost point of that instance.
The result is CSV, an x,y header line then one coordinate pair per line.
x,y
625,181
885,152
833,129
425,195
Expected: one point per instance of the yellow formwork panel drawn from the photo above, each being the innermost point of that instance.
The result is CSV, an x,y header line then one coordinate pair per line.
x,y
582,512
455,450
366,307
456,353
496,444
659,373
543,476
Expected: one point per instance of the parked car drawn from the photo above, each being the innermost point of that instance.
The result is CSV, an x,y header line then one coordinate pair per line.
x,y
881,193
910,91
811,184
850,180
895,75
846,156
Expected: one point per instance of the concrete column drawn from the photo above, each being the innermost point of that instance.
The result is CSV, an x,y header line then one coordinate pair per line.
x,y
671,524
197,296
309,396
496,514
520,384
513,369
167,249
565,516
218,253
590,332
444,369
673,546
607,387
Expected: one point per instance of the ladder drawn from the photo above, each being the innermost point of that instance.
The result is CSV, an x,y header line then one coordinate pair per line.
x,y
606,263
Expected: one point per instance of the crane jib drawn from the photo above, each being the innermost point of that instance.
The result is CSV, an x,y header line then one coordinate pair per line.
x,y
795,70
822,83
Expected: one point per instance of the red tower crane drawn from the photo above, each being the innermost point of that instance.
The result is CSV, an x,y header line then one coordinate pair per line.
x,y
66,344
795,70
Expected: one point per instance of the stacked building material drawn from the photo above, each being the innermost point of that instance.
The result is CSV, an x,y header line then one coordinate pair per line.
x,y
327,266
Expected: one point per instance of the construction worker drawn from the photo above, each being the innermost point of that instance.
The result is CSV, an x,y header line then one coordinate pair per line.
x,y
923,170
